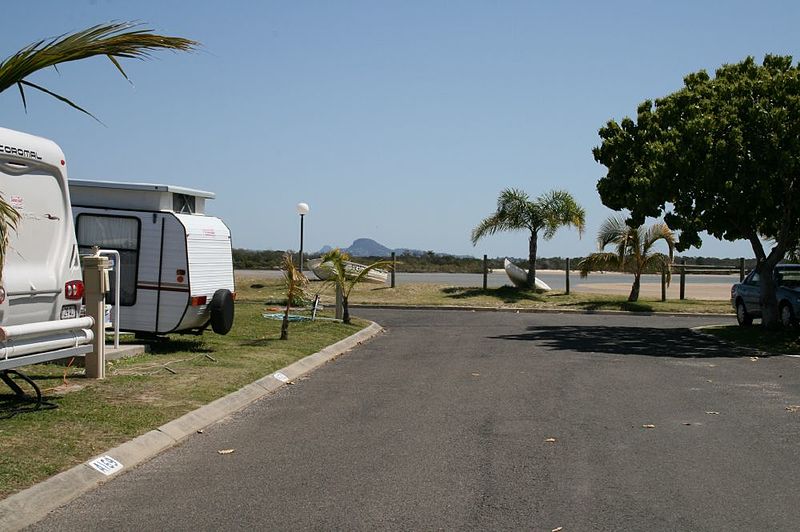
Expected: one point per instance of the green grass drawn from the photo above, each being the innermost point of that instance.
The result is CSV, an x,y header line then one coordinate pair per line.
x,y
503,297
780,342
139,394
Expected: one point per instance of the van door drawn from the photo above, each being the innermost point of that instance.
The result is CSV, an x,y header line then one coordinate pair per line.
x,y
120,232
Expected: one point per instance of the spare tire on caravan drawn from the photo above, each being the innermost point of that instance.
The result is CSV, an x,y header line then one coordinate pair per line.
x,y
176,261
41,287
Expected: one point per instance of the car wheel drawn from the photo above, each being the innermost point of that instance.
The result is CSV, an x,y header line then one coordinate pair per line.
x,y
221,307
787,315
742,316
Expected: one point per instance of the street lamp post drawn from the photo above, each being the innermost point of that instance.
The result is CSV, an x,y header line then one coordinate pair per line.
x,y
302,210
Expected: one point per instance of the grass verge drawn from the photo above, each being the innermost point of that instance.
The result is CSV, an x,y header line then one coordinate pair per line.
x,y
140,394
503,297
781,342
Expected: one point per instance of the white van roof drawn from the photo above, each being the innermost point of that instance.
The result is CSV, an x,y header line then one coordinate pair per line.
x,y
25,146
153,187
138,196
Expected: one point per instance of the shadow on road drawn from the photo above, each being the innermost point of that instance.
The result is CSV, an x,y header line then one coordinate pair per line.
x,y
508,294
679,343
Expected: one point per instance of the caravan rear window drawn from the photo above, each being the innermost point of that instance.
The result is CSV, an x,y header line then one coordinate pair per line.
x,y
113,232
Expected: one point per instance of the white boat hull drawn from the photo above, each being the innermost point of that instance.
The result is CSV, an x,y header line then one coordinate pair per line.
x,y
323,271
519,277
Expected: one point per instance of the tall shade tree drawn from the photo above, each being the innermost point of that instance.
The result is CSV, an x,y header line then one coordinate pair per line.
x,y
633,251
720,155
115,40
516,212
345,279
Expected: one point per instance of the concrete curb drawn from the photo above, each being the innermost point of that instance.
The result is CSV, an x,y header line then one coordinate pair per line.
x,y
31,505
544,310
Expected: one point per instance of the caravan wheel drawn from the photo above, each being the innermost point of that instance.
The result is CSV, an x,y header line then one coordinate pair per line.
x,y
221,307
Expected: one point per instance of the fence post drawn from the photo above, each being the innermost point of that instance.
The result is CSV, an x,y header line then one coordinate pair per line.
x,y
394,267
567,279
485,272
683,279
741,269
95,271
663,284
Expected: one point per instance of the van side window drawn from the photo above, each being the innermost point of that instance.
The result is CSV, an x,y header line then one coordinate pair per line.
x,y
183,203
113,232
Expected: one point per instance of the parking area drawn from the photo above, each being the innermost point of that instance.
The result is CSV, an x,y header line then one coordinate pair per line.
x,y
481,420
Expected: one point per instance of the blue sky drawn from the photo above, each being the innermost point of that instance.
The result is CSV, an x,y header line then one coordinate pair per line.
x,y
394,120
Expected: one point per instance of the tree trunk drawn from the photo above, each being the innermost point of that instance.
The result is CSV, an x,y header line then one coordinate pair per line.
x,y
765,265
345,310
637,282
532,248
767,297
285,326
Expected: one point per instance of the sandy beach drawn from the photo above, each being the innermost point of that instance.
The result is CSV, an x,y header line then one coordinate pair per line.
x,y
712,287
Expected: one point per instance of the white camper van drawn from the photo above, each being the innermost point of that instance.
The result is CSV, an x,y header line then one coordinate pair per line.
x,y
176,262
41,286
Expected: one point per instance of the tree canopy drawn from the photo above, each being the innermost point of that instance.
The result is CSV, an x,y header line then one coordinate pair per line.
x,y
720,155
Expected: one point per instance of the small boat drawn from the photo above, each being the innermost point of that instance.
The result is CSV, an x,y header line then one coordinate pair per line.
x,y
323,271
519,277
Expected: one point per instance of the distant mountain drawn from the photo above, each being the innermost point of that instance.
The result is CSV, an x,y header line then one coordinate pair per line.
x,y
366,247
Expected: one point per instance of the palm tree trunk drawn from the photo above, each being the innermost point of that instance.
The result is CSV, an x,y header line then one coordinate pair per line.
x,y
532,248
345,310
285,325
637,281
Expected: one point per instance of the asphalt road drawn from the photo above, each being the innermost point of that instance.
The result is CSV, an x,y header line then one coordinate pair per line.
x,y
443,422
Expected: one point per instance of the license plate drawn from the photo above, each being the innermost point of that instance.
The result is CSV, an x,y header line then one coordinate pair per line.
x,y
68,312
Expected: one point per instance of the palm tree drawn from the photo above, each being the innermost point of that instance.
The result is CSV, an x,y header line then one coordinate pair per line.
x,y
114,40
343,279
633,251
516,212
295,284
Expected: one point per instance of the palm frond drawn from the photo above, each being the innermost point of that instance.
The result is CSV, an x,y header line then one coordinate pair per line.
x,y
613,230
558,209
294,281
512,214
659,231
9,217
599,262
491,225
115,40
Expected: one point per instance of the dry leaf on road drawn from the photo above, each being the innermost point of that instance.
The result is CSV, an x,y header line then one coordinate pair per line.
x,y
712,413
648,426
793,408
226,451
550,440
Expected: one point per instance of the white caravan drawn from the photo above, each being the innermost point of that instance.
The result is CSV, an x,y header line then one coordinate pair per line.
x,y
176,262
41,285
